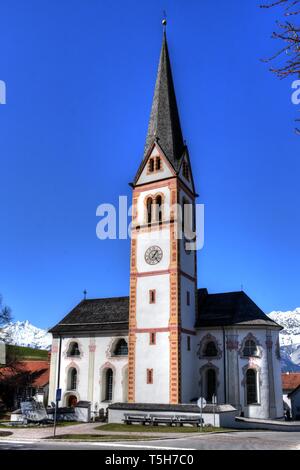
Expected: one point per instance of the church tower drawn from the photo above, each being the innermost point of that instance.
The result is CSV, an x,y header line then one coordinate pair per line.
x,y
163,272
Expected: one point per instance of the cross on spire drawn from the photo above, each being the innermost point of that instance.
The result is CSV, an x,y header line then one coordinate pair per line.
x,y
164,21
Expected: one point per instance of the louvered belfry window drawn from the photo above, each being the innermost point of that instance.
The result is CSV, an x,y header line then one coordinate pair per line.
x,y
151,165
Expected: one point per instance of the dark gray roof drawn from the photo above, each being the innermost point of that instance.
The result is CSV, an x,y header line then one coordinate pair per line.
x,y
96,315
164,124
106,315
231,308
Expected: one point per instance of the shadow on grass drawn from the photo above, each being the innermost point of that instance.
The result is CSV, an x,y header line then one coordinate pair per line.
x,y
163,429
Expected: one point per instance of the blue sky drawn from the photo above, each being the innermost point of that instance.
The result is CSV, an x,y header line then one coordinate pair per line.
x,y
80,77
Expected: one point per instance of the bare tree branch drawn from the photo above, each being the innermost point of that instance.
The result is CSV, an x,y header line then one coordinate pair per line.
x,y
289,34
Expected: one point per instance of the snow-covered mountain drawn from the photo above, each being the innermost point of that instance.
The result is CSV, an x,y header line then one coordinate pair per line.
x,y
25,334
289,339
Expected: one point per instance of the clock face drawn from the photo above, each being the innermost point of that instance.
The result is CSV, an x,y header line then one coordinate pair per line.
x,y
153,255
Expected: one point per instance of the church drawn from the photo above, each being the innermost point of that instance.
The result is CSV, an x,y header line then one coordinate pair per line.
x,y
169,342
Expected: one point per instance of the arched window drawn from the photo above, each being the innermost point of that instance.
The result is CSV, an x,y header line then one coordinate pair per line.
x,y
251,387
151,165
72,381
210,384
158,203
149,210
121,348
108,385
210,349
250,348
158,163
73,350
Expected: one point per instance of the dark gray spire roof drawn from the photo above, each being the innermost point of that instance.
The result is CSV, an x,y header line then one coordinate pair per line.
x,y
164,124
164,119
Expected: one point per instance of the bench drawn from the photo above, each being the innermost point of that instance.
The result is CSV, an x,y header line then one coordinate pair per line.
x,y
184,419
138,418
156,419
162,419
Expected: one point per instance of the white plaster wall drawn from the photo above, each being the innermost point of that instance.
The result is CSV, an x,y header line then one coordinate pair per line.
x,y
187,311
277,376
188,358
156,176
141,203
160,238
187,259
188,369
102,360
153,315
154,357
261,410
81,364
218,363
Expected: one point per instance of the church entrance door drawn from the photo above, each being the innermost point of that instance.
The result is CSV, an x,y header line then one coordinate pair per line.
x,y
72,401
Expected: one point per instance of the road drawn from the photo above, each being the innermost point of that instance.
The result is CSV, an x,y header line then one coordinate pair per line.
x,y
262,440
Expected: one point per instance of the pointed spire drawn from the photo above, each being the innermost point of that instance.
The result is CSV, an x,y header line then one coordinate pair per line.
x,y
164,125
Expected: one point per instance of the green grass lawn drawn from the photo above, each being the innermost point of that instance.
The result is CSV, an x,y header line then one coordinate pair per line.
x,y
24,353
148,428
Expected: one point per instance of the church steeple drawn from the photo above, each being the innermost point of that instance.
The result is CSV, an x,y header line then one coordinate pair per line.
x,y
164,124
163,275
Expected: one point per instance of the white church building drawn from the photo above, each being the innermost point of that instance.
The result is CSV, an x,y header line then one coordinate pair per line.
x,y
168,342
